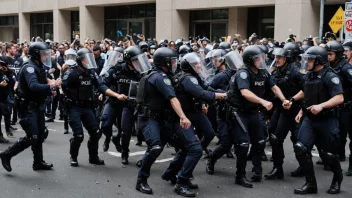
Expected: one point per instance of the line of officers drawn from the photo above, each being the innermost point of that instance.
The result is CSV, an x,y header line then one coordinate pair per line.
x,y
308,92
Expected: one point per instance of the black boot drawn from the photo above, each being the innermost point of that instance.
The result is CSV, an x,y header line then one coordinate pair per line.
x,y
349,171
210,166
124,159
38,162
93,152
74,162
243,181
298,172
139,163
256,177
183,190
142,186
338,177
106,144
13,150
310,187
276,173
65,131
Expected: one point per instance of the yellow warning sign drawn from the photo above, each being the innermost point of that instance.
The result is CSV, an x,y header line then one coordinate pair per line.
x,y
337,20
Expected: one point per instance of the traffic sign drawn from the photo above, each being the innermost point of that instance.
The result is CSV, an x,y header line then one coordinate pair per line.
x,y
337,20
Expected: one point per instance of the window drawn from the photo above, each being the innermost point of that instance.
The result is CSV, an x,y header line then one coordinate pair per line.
x,y
42,25
261,20
9,21
130,19
74,24
209,23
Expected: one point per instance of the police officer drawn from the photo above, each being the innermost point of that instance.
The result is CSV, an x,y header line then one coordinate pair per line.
x,y
33,88
322,94
288,78
190,92
120,77
154,95
5,109
70,61
246,93
232,60
192,96
78,82
344,71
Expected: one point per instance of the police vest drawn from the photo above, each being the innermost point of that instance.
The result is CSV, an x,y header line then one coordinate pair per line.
x,y
315,91
23,88
123,80
186,100
84,89
257,86
347,87
285,82
148,96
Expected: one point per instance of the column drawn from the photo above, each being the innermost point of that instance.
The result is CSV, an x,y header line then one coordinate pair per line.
x,y
299,17
62,25
24,26
91,21
238,21
171,24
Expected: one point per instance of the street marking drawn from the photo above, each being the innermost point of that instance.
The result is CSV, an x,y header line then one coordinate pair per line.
x,y
270,153
59,121
164,160
116,154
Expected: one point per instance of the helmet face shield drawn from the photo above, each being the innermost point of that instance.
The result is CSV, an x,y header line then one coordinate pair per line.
x,y
307,63
234,60
198,65
259,61
45,57
88,61
141,63
173,64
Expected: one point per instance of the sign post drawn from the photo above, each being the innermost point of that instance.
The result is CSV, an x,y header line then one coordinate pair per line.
x,y
348,21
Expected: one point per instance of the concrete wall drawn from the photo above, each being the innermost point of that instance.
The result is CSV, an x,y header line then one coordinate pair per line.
x,y
300,17
6,34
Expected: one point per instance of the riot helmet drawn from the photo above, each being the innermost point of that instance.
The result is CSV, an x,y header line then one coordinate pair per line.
x,y
218,57
253,56
193,63
183,50
143,46
225,46
317,54
86,58
41,52
234,60
135,57
292,50
152,49
337,47
166,57
70,57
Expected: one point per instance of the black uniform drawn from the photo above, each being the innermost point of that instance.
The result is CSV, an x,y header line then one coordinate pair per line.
x,y
32,91
245,118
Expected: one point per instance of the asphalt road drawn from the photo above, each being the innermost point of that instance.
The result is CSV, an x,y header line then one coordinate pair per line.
x,y
115,180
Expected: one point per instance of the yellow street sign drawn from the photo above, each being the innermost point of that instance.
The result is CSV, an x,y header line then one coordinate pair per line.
x,y
337,20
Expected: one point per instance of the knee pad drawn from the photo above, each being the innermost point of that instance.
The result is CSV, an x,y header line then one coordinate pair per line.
x,y
329,158
155,151
77,139
34,139
95,135
242,149
300,149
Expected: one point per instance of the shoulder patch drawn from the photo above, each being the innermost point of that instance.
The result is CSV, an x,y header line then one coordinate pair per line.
x,y
30,70
194,81
335,80
243,75
349,71
167,81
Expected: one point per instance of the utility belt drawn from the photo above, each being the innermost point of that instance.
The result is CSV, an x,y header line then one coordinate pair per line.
x,y
145,112
323,114
22,103
232,110
81,104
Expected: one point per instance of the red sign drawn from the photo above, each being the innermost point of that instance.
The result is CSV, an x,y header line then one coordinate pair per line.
x,y
348,25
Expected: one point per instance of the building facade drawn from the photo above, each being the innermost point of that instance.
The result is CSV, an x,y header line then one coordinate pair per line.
x,y
58,20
